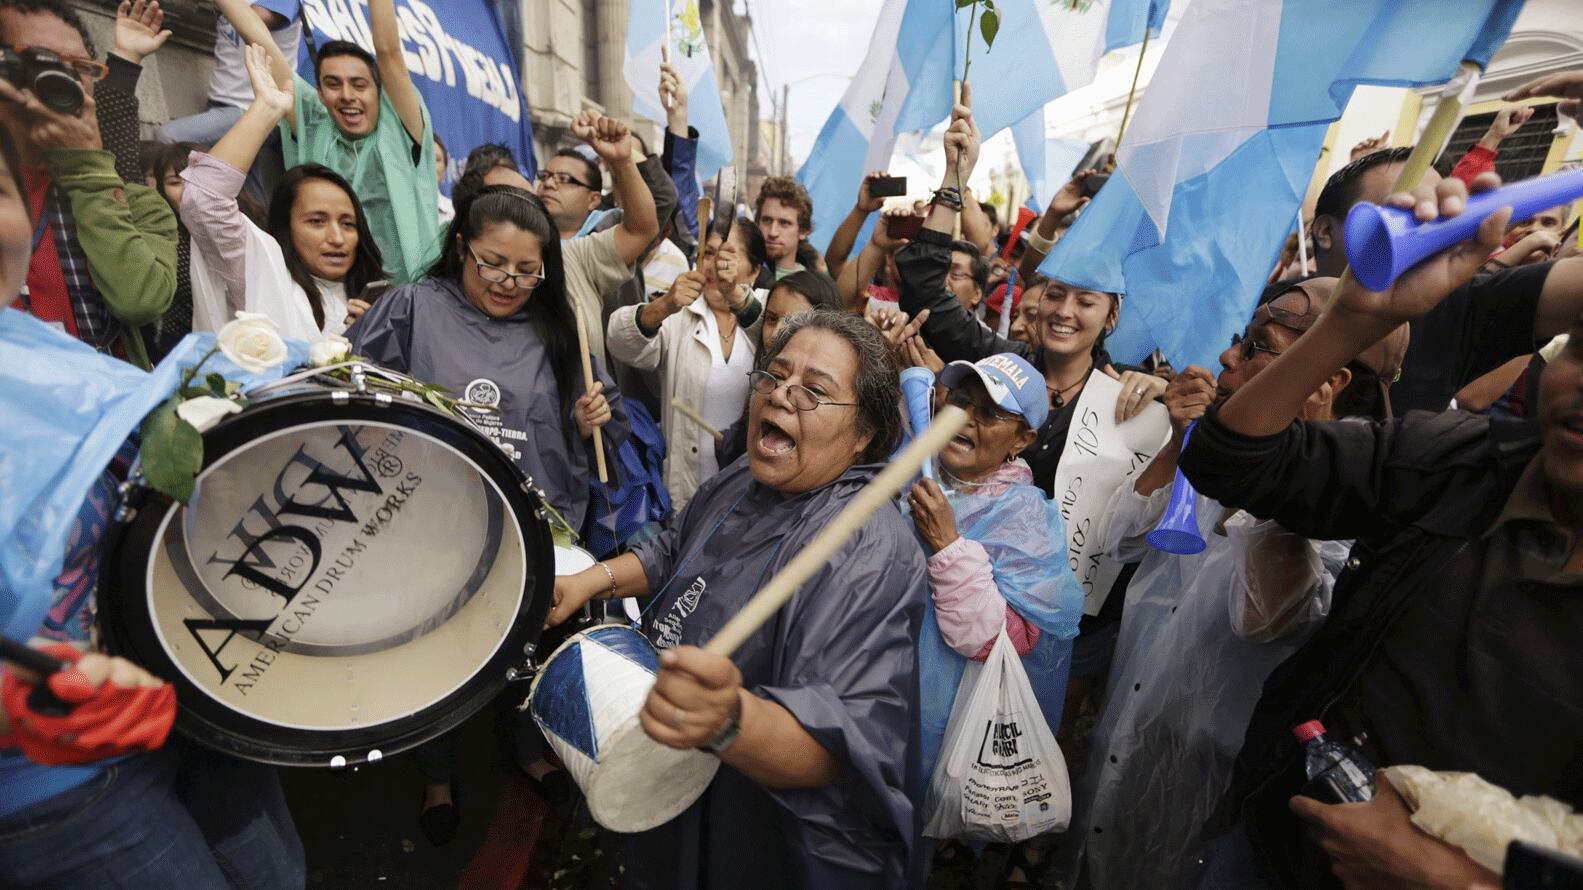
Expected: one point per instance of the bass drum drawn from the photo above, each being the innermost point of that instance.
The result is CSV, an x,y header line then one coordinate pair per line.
x,y
354,575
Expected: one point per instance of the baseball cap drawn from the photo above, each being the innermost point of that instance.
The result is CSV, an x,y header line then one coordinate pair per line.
x,y
998,296
1013,383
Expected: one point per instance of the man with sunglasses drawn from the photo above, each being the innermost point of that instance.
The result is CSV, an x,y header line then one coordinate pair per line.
x,y
1201,632
104,251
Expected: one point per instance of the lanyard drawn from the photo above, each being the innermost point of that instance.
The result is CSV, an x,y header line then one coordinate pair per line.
x,y
38,238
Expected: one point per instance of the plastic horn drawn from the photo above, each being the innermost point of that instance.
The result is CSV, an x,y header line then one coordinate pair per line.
x,y
915,386
1178,532
1384,242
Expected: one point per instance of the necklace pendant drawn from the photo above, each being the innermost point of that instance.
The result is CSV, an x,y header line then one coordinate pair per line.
x,y
1057,402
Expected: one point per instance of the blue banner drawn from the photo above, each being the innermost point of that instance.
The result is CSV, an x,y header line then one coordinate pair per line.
x,y
462,63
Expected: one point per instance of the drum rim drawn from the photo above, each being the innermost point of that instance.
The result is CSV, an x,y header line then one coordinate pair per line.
x,y
205,719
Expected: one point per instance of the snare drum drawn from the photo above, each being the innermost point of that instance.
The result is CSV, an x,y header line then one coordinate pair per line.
x,y
355,574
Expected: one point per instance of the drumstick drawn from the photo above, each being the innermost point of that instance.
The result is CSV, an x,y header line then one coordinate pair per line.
x,y
695,417
706,209
588,386
880,490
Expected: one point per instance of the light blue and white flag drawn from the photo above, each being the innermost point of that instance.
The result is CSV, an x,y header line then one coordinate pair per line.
x,y
1129,19
1218,155
1047,162
647,33
908,58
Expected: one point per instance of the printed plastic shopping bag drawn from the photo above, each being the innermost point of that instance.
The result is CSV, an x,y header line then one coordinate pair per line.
x,y
1001,776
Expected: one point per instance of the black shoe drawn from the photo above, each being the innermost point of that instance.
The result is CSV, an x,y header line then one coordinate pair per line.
x,y
439,822
555,788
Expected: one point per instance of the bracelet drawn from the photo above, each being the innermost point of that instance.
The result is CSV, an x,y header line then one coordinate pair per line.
x,y
612,576
948,197
1036,242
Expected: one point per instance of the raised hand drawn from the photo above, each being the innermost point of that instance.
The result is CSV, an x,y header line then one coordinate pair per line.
x,y
139,30
266,92
866,202
1566,86
1070,197
608,137
1507,121
962,140
1422,287
1370,145
673,97
685,289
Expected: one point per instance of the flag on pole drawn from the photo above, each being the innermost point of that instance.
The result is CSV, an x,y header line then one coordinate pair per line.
x,y
904,61
1130,19
648,35
1217,159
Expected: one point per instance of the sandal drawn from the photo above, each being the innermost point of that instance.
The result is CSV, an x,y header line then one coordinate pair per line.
x,y
440,822
952,853
1033,873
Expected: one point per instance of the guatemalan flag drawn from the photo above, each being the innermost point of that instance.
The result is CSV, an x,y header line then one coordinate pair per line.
x,y
1221,149
904,59
647,34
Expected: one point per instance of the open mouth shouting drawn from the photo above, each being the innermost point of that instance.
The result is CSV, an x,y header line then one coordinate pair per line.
x,y
773,441
353,118
964,442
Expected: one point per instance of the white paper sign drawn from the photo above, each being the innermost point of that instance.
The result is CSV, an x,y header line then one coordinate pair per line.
x,y
1099,457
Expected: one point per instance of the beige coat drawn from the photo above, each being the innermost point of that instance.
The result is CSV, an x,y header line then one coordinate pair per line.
x,y
681,351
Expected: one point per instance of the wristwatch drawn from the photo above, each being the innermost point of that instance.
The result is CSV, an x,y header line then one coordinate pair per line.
x,y
723,738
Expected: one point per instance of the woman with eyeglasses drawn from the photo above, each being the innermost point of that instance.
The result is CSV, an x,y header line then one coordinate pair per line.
x,y
310,270
492,323
998,555
702,335
814,714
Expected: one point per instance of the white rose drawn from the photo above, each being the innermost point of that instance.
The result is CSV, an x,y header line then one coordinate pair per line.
x,y
330,350
252,342
204,412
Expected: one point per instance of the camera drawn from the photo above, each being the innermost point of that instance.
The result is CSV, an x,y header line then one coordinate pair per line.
x,y
50,78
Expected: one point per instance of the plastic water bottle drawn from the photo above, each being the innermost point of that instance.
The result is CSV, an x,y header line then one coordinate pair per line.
x,y
1336,773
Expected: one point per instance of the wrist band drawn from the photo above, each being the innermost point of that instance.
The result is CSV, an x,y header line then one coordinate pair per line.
x,y
948,197
612,576
1035,242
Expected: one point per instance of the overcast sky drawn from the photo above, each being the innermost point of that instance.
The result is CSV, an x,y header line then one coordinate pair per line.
x,y
816,46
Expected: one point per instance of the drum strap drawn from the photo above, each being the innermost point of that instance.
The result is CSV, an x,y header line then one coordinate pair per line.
x,y
637,624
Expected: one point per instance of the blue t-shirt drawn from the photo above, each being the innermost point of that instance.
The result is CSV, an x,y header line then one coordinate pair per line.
x,y
70,619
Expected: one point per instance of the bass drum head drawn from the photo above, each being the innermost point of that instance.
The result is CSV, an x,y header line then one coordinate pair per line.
x,y
351,578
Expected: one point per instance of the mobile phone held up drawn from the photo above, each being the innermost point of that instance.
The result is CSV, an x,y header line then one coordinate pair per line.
x,y
907,226
1094,183
887,186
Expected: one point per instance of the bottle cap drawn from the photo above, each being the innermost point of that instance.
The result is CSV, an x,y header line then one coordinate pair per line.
x,y
1306,731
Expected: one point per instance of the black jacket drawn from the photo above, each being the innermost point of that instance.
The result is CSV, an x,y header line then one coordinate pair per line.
x,y
956,335
1412,493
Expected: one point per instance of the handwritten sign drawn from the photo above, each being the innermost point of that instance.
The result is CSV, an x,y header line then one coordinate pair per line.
x,y
1101,456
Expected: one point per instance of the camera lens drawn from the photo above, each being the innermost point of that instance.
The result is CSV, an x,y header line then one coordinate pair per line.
x,y
58,91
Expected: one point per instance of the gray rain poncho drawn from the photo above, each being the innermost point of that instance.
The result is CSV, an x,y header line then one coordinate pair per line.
x,y
841,657
1198,638
429,331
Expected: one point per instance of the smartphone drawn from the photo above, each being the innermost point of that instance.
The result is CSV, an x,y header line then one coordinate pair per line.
x,y
887,186
1093,184
1536,868
907,226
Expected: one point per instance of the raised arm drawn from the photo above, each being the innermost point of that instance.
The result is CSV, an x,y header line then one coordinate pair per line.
x,y
1041,237
612,141
841,243
240,145
394,77
252,30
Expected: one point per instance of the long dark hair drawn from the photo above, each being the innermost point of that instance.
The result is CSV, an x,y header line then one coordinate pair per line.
x,y
367,264
548,309
163,160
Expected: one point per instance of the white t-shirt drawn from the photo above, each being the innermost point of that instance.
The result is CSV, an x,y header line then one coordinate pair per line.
x,y
229,83
332,296
725,392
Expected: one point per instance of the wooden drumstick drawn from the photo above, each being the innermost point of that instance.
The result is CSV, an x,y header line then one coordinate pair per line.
x,y
588,386
697,418
880,490
706,209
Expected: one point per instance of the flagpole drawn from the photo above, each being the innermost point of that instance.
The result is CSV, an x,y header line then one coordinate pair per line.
x,y
1302,244
1438,131
665,49
1132,93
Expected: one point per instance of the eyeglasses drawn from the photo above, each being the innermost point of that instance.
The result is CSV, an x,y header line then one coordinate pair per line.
x,y
497,275
986,415
562,179
87,69
1249,347
801,397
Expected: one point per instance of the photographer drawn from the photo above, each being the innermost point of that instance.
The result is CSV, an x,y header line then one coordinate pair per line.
x,y
105,251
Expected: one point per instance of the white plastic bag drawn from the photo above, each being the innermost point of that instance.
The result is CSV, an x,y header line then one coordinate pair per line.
x,y
1000,777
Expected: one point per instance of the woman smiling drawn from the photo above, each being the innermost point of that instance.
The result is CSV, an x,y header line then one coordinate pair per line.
x,y
814,713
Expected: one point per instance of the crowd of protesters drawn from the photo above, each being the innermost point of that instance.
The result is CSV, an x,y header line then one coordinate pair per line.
x,y
1389,485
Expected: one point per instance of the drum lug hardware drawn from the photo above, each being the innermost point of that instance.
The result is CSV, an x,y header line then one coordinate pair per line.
x,y
340,397
522,672
382,399
124,511
359,378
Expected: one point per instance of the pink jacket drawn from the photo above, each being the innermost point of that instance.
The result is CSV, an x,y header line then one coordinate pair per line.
x,y
967,604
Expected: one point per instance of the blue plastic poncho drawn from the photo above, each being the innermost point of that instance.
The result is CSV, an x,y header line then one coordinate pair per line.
x,y
64,411
1025,537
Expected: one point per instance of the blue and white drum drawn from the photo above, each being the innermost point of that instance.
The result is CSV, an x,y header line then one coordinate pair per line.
x,y
586,699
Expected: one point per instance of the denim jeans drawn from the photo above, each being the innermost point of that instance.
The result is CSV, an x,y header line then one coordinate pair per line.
x,y
183,818
206,128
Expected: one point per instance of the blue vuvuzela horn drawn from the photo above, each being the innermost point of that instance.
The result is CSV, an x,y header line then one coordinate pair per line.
x,y
916,384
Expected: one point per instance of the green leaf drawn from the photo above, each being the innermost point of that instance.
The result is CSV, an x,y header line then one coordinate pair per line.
x,y
989,25
172,451
216,383
436,400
